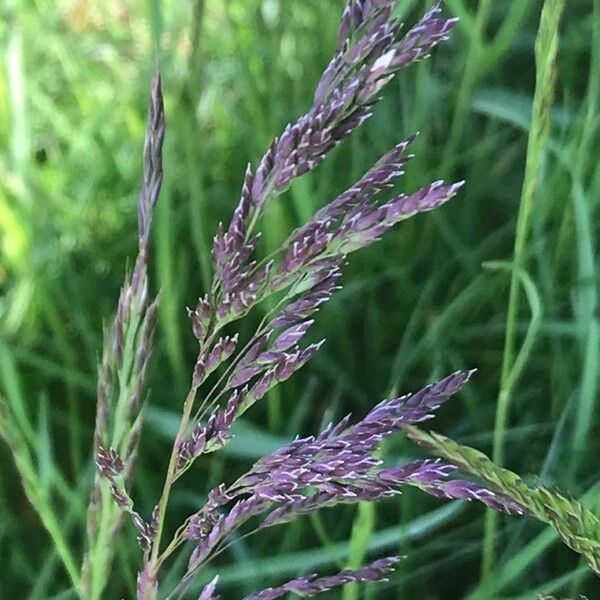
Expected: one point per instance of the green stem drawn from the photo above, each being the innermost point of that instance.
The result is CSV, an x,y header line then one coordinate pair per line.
x,y
546,50
100,554
362,532
465,91
170,477
37,494
586,308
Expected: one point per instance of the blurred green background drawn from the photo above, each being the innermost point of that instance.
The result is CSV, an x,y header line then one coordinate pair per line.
x,y
419,304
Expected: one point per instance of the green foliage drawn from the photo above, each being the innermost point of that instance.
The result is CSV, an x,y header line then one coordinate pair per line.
x,y
73,89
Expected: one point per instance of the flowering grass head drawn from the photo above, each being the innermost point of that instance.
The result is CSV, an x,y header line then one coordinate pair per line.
x,y
340,465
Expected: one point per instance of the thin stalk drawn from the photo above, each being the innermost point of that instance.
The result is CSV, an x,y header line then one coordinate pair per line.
x,y
546,50
37,494
587,292
504,38
465,91
590,327
362,531
188,406
99,554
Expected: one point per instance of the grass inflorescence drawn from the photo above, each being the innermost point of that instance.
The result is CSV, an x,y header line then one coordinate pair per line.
x,y
430,298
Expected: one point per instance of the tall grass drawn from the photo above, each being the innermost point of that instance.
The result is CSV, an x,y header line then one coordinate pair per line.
x,y
72,108
514,362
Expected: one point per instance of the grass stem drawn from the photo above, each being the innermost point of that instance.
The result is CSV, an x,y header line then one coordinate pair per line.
x,y
546,50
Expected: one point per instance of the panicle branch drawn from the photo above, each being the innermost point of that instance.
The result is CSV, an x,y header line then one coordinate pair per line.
x,y
370,51
312,585
337,466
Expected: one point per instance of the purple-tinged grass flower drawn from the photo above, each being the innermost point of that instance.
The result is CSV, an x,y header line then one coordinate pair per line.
x,y
209,590
339,465
273,364
370,51
290,337
223,525
378,178
469,490
111,467
321,287
215,433
385,484
360,12
200,318
212,357
312,585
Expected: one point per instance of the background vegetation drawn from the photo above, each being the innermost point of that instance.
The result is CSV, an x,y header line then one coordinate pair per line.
x,y
431,298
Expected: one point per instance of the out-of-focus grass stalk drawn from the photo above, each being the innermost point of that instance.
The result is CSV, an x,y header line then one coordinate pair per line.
x,y
191,97
362,531
482,56
470,73
587,301
546,50
497,48
19,143
587,292
36,493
